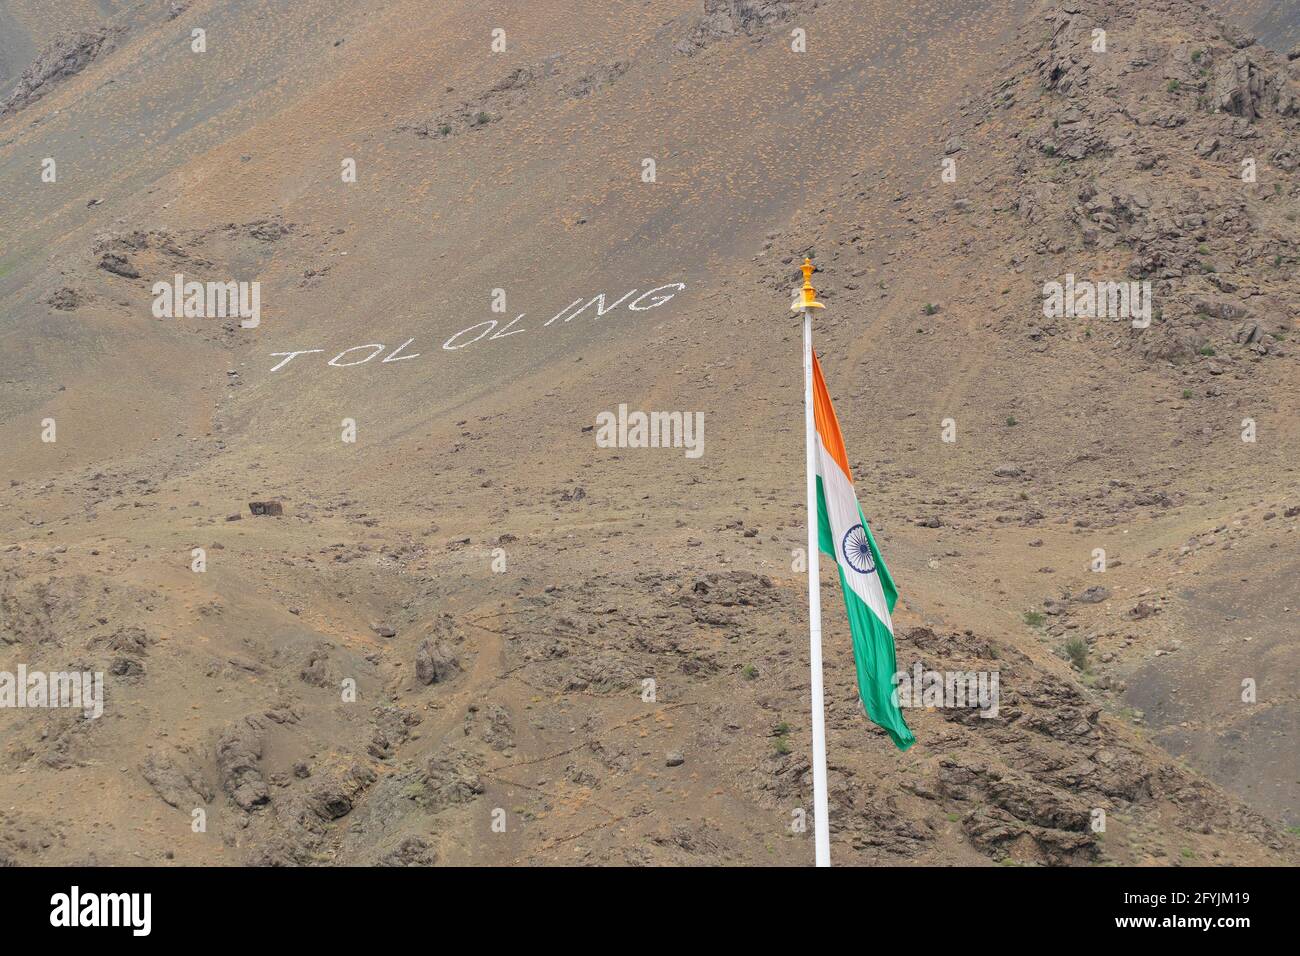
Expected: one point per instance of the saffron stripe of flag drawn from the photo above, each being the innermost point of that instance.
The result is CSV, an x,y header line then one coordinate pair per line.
x,y
869,592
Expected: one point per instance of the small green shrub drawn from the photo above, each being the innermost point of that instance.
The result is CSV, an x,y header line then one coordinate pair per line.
x,y
1076,649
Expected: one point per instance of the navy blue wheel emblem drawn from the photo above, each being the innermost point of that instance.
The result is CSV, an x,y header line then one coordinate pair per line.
x,y
857,550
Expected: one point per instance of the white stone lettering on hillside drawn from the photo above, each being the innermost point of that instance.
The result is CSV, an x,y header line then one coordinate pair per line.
x,y
491,330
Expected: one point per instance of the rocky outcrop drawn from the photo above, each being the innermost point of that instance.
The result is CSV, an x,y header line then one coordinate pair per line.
x,y
1013,809
119,265
392,727
724,19
1165,144
435,662
316,669
66,56
452,778
175,779
410,851
489,105
333,795
493,724
239,755
68,299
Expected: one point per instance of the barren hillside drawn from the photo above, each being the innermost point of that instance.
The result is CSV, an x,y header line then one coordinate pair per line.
x,y
1275,22
497,587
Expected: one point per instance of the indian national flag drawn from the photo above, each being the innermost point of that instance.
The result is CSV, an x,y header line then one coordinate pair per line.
x,y
869,592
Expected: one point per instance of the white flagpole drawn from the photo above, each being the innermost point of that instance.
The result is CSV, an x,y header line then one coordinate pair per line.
x,y
821,822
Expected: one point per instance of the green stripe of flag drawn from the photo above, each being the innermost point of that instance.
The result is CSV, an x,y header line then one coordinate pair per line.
x,y
873,643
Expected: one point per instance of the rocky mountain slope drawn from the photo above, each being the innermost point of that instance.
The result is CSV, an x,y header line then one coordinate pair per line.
x,y
1275,22
474,636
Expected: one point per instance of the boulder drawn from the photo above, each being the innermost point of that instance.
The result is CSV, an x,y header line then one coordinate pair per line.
x,y
435,663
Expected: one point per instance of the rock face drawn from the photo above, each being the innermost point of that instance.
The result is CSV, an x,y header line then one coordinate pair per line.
x,y
435,663
494,725
493,103
1200,232
119,265
411,851
67,56
597,79
316,669
723,19
1238,87
453,778
67,299
239,755
634,689
177,782
1275,22
333,796
1019,817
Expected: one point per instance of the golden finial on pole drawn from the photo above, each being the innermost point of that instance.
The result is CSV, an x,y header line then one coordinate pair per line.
x,y
807,295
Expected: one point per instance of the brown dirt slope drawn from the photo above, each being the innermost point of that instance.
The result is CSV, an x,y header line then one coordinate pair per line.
x,y
1275,22
536,628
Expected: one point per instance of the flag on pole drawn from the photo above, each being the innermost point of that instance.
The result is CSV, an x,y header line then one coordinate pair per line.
x,y
869,592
